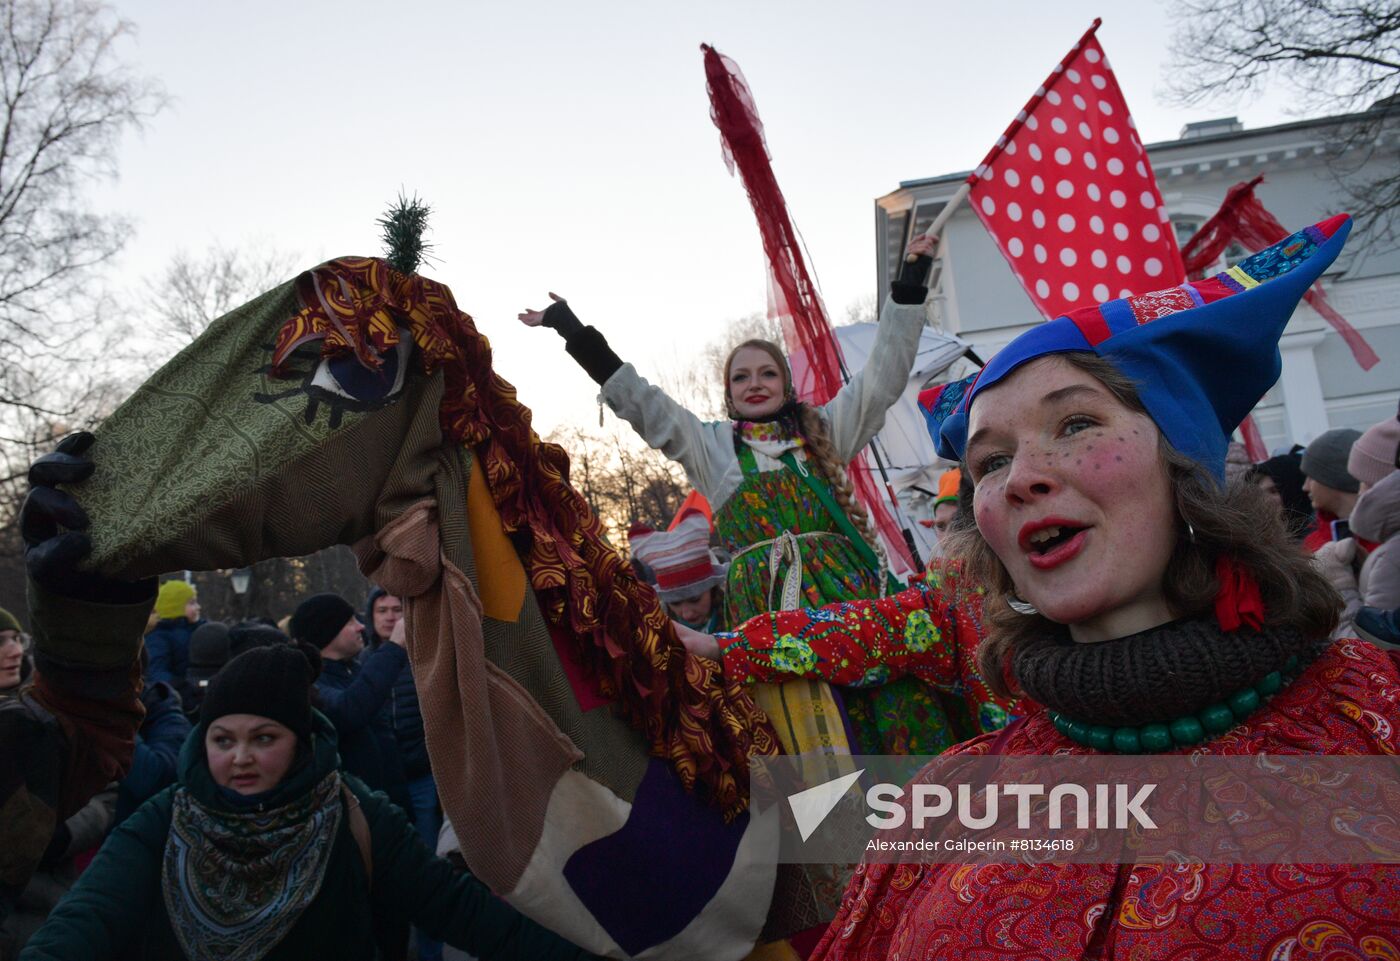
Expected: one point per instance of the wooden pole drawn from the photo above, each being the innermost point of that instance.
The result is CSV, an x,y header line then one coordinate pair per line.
x,y
950,208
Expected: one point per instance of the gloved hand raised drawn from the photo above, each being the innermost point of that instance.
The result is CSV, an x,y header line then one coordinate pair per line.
x,y
54,528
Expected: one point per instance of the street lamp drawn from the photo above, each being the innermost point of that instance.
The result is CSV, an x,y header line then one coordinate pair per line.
x,y
241,579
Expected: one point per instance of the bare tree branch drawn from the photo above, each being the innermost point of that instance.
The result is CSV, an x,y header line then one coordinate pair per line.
x,y
197,289
1335,56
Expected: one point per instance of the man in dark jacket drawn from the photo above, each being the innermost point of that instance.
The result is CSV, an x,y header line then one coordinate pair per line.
x,y
382,611
354,695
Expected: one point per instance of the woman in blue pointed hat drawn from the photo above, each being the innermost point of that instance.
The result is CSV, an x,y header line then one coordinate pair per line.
x,y
1139,605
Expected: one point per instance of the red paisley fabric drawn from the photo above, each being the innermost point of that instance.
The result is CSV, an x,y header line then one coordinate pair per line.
x,y
706,726
1344,703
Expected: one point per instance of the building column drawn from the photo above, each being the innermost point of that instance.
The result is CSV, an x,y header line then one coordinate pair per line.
x,y
1304,410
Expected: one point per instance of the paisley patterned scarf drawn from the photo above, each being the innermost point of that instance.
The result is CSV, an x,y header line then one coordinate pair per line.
x,y
773,436
236,882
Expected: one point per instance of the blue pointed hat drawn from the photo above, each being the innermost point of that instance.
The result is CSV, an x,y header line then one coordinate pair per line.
x,y
1201,354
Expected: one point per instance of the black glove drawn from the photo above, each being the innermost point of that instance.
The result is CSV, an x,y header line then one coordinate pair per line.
x,y
912,285
53,526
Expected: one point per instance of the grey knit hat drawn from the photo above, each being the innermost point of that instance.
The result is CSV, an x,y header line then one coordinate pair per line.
x,y
1325,460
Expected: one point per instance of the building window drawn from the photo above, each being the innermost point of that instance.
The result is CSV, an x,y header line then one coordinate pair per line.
x,y
1186,228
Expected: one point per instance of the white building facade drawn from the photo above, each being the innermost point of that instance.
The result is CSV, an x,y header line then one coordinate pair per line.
x,y
977,296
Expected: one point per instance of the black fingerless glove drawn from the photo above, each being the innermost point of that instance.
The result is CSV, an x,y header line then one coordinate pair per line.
x,y
584,344
912,285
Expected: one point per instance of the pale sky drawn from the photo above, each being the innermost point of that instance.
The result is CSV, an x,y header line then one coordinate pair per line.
x,y
567,146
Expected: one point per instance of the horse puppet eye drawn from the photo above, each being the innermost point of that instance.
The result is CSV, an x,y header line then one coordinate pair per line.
x,y
344,376
344,384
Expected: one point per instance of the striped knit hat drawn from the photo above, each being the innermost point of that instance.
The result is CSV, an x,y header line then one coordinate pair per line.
x,y
680,558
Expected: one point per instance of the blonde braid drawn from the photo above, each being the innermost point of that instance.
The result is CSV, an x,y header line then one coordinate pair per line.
x,y
822,456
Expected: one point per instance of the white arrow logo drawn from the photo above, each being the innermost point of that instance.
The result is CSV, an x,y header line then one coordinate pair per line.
x,y
810,807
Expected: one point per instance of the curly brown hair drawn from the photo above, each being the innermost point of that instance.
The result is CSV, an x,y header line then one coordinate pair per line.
x,y
812,427
1237,520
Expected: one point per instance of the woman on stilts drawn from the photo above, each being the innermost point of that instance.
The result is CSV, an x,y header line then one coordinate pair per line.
x,y
775,477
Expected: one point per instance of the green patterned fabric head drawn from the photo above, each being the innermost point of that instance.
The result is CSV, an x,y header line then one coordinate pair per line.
x,y
215,461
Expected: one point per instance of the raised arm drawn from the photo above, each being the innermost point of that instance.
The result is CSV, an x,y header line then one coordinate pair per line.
x,y
359,703
73,729
705,451
857,413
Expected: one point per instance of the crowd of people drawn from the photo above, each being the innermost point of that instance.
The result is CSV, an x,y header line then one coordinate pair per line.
x,y
251,790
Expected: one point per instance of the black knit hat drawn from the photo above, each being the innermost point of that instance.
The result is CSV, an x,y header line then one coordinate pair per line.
x,y
209,650
319,618
273,682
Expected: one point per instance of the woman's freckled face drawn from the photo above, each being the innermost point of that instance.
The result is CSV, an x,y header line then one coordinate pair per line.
x,y
1033,436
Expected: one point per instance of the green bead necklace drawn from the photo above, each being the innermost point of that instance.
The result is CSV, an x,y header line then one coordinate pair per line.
x,y
1185,731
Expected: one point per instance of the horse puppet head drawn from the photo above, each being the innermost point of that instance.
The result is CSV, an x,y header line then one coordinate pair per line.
x,y
594,773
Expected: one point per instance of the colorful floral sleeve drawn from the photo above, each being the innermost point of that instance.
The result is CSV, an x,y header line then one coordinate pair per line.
x,y
852,643
930,631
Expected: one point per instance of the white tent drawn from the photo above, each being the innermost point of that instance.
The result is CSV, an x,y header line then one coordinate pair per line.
x,y
904,440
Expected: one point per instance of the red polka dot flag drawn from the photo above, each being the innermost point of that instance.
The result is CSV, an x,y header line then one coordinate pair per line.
x,y
1069,197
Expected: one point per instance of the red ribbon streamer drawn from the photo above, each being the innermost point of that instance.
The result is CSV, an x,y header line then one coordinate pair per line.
x,y
1243,219
1238,601
812,348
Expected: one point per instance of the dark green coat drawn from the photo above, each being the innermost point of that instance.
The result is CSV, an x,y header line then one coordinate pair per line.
x,y
116,910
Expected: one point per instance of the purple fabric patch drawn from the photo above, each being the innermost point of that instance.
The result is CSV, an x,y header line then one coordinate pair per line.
x,y
1234,285
647,881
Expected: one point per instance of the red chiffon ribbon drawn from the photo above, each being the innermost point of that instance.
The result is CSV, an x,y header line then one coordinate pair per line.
x,y
1238,601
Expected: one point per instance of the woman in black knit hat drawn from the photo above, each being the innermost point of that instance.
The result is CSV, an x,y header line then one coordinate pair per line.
x,y
264,850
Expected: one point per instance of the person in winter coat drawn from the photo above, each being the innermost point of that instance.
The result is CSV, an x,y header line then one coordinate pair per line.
x,y
76,839
1110,548
383,611
264,850
66,732
352,695
1376,519
14,654
775,475
208,651
153,765
1329,485
1351,564
168,645
1281,479
686,576
405,718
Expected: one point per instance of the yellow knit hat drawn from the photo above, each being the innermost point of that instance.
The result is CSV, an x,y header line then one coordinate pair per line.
x,y
172,598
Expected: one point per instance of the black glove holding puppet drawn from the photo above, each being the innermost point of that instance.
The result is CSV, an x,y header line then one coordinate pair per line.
x,y
53,526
